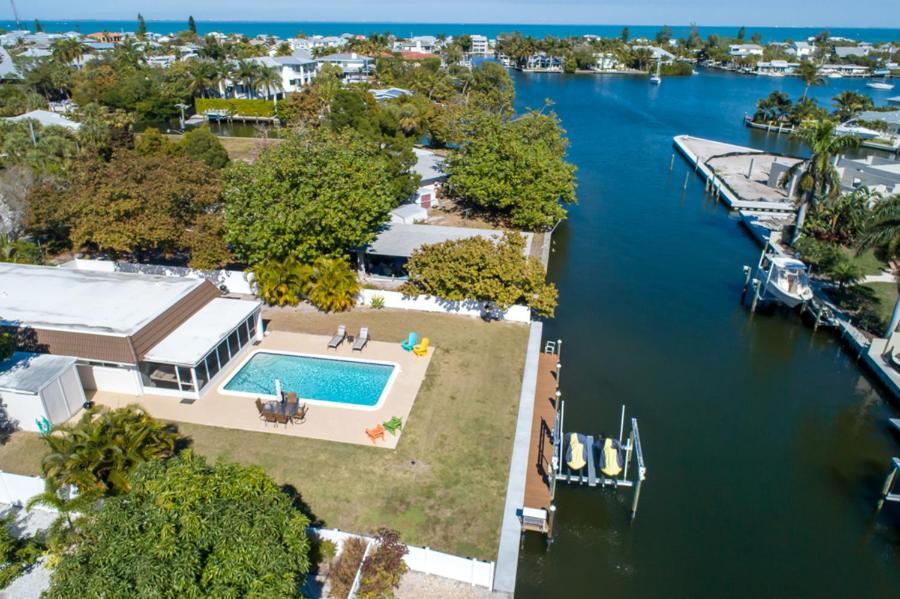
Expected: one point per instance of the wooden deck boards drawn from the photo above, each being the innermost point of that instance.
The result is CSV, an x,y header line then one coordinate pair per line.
x,y
537,489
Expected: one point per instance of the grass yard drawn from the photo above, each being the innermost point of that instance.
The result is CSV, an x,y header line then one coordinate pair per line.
x,y
445,484
884,297
868,261
240,148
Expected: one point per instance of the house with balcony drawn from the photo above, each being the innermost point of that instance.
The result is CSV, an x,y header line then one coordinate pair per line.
x,y
424,44
355,67
480,45
745,50
297,71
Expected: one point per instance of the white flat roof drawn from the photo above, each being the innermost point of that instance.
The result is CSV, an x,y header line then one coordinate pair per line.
x,y
47,119
103,303
428,165
401,240
200,333
25,372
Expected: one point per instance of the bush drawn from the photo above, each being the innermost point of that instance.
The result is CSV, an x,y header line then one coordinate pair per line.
x,y
201,144
343,573
377,302
384,567
332,285
260,108
15,554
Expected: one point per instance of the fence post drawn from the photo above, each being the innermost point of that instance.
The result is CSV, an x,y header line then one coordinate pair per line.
x,y
472,571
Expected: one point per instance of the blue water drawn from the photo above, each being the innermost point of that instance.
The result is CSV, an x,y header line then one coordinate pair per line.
x,y
318,379
286,29
766,444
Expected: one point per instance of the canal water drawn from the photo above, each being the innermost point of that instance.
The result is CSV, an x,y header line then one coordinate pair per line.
x,y
765,444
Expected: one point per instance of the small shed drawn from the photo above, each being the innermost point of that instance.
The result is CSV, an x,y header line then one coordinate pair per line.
x,y
36,386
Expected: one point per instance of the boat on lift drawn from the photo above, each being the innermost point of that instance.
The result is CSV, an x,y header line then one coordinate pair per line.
x,y
880,85
656,79
785,280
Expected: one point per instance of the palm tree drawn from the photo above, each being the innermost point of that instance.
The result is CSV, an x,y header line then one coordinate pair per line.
x,y
882,229
818,177
99,453
68,50
202,76
809,73
128,53
280,283
332,285
848,104
268,78
244,72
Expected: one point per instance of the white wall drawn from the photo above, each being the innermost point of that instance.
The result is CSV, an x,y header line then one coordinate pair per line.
x,y
18,489
422,559
24,408
107,378
57,402
235,280
395,299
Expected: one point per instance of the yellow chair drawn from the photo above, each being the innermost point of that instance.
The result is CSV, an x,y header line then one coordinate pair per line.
x,y
420,349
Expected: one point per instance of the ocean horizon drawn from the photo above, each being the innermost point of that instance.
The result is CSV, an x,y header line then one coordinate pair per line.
x,y
285,29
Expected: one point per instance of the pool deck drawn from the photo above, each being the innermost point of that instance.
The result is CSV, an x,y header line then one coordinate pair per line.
x,y
340,424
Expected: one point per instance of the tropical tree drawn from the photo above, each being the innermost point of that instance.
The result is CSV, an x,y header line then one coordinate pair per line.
x,y
281,282
244,72
882,228
848,104
774,107
269,79
201,144
192,25
482,269
818,178
189,529
332,286
810,75
100,451
141,31
67,50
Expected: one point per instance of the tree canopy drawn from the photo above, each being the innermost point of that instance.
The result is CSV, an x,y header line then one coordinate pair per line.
x,y
188,529
318,193
515,168
482,269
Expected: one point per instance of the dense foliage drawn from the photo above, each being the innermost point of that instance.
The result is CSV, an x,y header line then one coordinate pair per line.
x,y
514,168
328,283
16,554
188,529
383,567
137,205
200,144
346,565
318,193
482,269
236,106
100,451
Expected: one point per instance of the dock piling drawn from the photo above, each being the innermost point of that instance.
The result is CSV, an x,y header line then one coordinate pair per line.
x,y
686,176
755,286
672,162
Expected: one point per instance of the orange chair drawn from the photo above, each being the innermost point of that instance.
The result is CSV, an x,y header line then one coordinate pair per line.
x,y
375,433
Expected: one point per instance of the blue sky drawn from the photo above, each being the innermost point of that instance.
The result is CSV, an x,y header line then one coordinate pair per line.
x,y
835,13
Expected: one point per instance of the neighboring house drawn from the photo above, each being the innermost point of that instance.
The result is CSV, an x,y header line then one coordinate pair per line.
x,y
543,62
46,119
801,49
390,93
607,62
480,45
105,37
316,41
895,101
848,51
421,43
355,67
297,71
844,70
128,333
8,70
776,68
744,50
878,174
162,62
658,53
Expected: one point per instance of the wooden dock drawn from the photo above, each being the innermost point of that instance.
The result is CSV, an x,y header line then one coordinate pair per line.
x,y
537,485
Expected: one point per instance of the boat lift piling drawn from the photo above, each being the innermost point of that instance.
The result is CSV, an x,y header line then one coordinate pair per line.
x,y
886,494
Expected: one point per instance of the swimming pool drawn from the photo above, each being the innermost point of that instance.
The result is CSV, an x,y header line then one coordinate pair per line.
x,y
345,382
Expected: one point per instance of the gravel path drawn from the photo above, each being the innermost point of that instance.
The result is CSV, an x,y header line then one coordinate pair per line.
x,y
416,585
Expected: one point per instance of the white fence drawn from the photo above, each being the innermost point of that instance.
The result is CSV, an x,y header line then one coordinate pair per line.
x,y
422,559
16,489
235,281
395,299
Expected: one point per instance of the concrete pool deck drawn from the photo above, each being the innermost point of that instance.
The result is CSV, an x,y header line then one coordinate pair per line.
x,y
328,423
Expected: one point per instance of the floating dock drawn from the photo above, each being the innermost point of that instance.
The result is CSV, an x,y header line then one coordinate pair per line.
x,y
538,497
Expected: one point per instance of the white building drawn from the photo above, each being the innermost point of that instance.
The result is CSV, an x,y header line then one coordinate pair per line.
x,y
297,71
607,62
46,119
355,67
426,44
480,45
38,390
776,68
801,49
744,50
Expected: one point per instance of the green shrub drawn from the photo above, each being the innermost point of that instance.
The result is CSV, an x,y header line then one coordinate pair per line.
x,y
16,555
377,302
201,144
384,567
235,106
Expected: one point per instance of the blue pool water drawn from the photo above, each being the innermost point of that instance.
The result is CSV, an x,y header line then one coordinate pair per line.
x,y
318,379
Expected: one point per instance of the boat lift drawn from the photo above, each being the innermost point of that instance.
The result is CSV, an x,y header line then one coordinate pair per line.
x,y
591,474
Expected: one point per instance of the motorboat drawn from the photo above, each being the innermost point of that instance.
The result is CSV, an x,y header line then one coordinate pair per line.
x,y
880,85
786,280
835,76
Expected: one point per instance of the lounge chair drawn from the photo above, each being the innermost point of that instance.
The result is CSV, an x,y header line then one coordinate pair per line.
x,y
360,342
375,433
393,425
410,341
338,337
420,349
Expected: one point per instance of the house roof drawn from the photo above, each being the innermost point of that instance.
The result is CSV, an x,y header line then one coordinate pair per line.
x,y
417,55
344,57
46,119
8,69
891,116
402,240
101,303
428,165
26,372
390,93
199,334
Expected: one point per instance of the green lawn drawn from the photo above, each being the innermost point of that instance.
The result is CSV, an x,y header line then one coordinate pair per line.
x,y
867,261
884,297
444,485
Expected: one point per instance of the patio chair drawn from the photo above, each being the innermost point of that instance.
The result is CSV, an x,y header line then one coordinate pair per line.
x,y
420,349
338,337
376,433
361,339
300,414
282,418
291,405
410,341
393,425
266,414
292,397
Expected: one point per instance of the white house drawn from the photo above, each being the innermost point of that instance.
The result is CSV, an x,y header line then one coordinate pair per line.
x,y
744,50
420,43
848,51
355,67
776,68
607,62
297,71
657,52
480,45
801,49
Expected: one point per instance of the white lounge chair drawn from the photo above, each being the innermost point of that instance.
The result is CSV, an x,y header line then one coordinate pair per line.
x,y
361,339
338,337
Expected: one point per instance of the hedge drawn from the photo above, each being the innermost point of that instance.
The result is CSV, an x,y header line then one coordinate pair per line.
x,y
263,108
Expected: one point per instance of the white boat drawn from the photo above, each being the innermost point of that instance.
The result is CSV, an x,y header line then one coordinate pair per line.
x,y
656,79
879,85
786,280
835,76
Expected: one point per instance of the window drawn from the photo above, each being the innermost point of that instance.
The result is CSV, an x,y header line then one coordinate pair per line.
x,y
202,376
212,364
234,345
222,352
242,333
187,379
251,323
161,376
